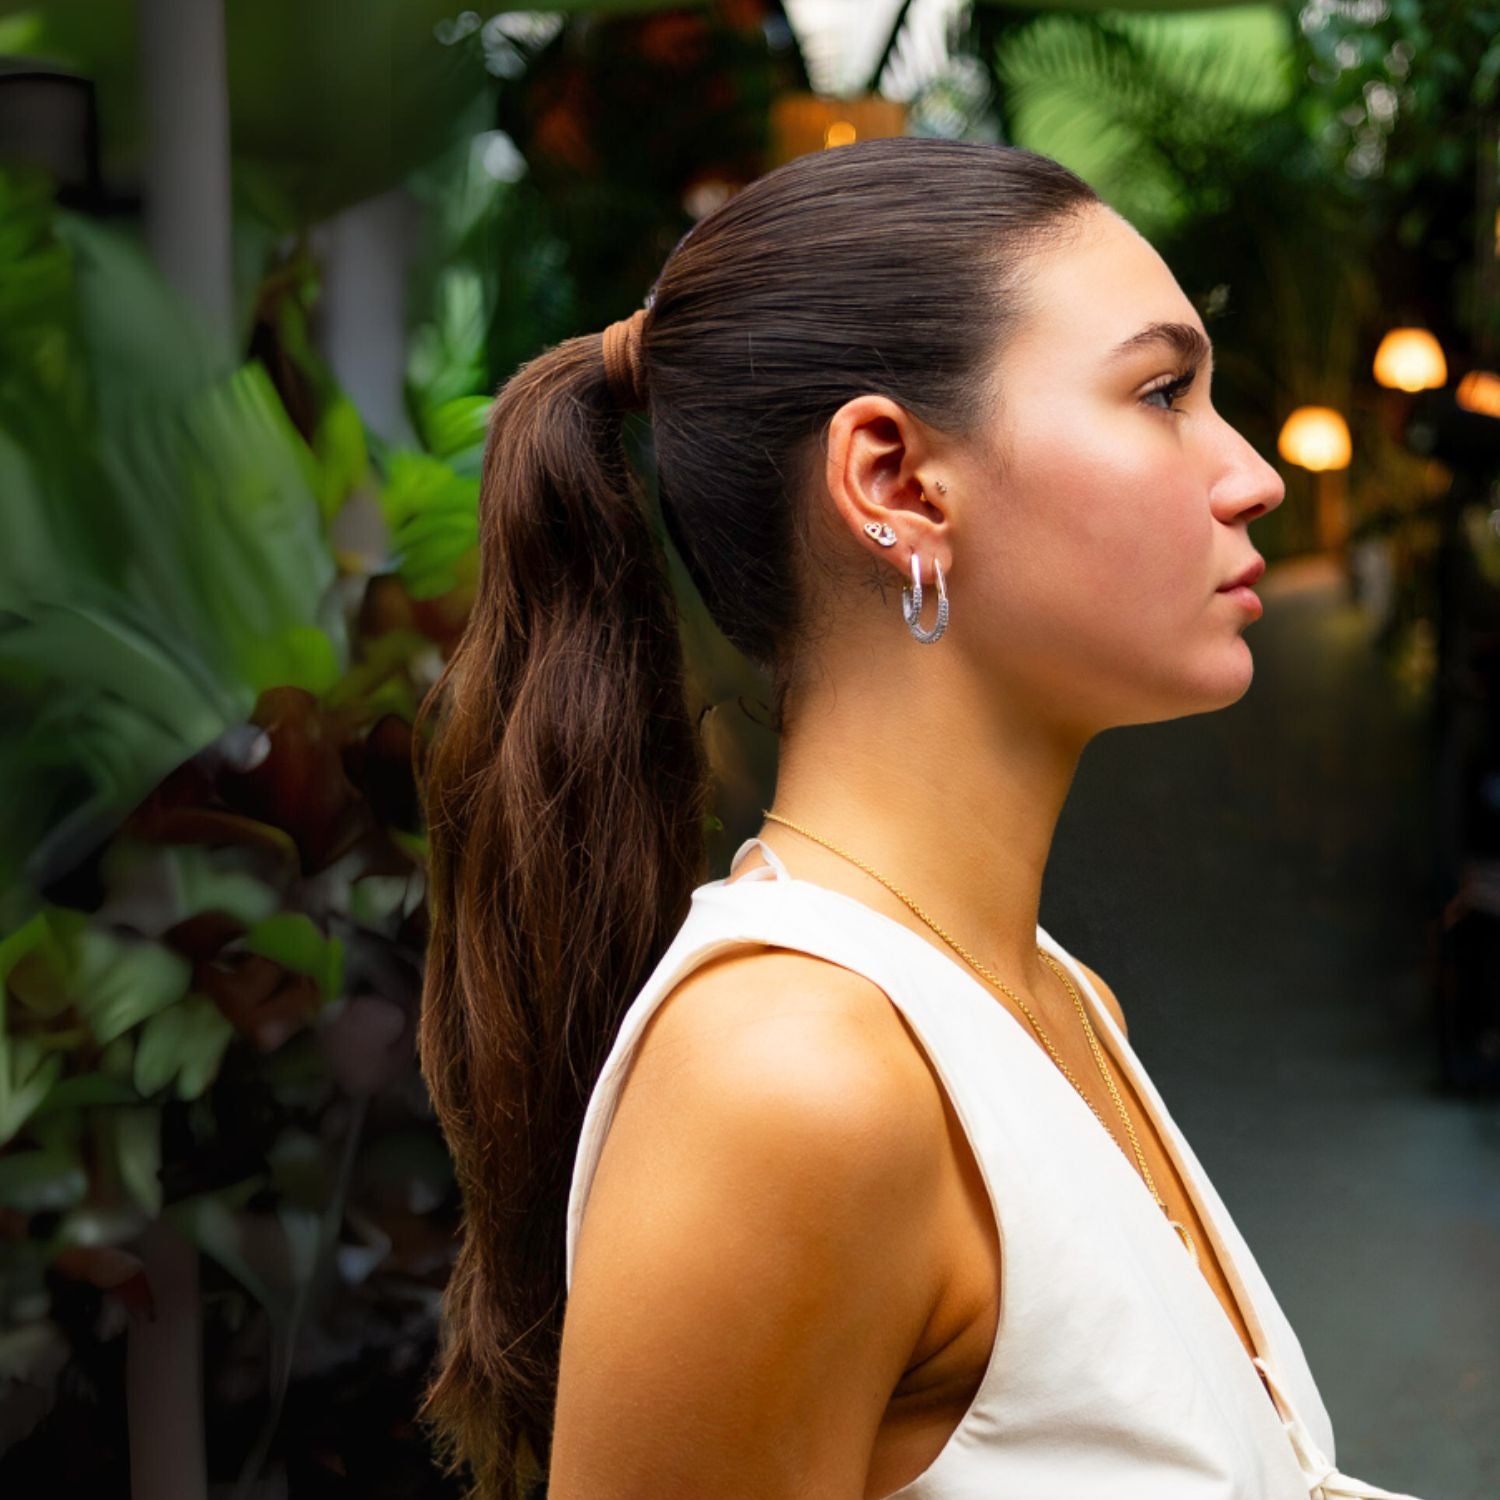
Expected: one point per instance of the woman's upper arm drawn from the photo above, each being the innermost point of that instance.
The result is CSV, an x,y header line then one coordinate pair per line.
x,y
756,1263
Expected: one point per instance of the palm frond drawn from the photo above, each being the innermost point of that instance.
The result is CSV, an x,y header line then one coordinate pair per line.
x,y
168,560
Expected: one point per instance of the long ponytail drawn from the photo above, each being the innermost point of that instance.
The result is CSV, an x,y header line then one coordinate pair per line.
x,y
565,794
564,784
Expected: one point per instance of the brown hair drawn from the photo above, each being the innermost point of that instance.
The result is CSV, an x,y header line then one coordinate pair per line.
x,y
565,788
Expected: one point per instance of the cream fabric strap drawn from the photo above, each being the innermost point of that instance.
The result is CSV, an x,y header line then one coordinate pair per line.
x,y
1325,1482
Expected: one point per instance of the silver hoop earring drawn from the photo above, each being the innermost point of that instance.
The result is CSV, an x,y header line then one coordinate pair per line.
x,y
882,532
911,602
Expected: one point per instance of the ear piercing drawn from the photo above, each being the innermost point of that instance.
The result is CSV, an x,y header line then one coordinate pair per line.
x,y
881,531
911,595
911,602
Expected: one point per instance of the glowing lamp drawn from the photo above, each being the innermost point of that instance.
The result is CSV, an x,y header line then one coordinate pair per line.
x,y
1479,391
1316,438
802,122
1410,359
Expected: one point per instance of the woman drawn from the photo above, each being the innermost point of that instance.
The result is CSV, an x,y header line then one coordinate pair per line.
x,y
879,1199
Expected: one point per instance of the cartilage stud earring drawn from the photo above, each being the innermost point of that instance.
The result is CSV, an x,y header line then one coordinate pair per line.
x,y
882,533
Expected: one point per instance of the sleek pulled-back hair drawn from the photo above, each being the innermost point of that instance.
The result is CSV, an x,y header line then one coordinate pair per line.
x,y
564,784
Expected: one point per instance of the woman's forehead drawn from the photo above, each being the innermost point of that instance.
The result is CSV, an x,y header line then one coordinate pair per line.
x,y
1105,299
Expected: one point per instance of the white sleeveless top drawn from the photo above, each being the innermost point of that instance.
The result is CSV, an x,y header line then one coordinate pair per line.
x,y
1115,1370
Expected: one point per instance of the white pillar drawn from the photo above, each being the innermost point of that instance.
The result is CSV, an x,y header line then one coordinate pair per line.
x,y
184,77
365,253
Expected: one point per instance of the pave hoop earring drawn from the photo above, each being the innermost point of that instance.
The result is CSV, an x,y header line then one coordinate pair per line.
x,y
911,602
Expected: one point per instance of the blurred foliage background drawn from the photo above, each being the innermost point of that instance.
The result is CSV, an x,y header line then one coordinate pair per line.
x,y
262,267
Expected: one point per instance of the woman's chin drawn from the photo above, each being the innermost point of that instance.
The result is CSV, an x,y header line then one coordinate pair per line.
x,y
1231,678
1218,683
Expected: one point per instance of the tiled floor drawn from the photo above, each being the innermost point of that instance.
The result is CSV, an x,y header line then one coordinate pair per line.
x,y
1249,882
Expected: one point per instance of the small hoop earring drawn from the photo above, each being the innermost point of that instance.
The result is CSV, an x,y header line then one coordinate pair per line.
x,y
882,532
911,602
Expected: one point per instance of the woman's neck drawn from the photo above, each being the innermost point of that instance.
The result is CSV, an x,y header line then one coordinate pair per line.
x,y
960,818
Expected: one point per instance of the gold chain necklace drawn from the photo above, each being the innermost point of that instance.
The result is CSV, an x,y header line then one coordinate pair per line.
x,y
1083,1014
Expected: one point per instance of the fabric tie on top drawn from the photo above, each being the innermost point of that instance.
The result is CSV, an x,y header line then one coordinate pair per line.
x,y
1325,1481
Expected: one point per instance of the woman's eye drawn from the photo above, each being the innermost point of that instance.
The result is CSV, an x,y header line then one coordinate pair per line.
x,y
1172,389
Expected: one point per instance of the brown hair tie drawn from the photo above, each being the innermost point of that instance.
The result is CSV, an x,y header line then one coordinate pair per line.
x,y
623,368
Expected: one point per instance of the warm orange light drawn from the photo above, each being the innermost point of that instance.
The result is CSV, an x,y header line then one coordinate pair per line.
x,y
1410,359
1315,437
1479,391
802,122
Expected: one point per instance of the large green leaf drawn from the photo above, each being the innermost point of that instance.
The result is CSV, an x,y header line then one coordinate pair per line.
x,y
120,982
27,1072
1136,103
432,513
182,1045
171,561
167,884
293,940
134,1137
272,1256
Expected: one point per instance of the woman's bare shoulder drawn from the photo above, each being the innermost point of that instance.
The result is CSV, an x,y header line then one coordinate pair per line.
x,y
760,1252
790,1012
777,1059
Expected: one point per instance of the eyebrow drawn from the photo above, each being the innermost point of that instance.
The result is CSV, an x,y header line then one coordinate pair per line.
x,y
1184,338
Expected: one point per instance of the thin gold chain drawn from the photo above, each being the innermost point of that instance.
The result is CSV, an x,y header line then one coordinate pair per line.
x,y
994,979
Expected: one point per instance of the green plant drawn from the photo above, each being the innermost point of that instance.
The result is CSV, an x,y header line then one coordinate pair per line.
x,y
211,953
166,562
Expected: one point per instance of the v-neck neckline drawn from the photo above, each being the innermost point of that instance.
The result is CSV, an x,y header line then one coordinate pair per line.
x,y
1227,1264
1144,1091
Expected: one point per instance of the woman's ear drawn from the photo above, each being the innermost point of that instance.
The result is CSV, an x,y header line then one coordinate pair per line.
x,y
874,461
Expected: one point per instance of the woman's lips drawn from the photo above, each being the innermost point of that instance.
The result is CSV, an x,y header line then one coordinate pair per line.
x,y
1247,577
1246,598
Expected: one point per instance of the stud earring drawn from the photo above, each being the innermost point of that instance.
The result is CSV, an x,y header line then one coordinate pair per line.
x,y
942,488
882,533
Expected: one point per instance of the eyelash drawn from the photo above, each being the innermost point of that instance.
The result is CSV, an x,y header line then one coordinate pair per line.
x,y
1172,388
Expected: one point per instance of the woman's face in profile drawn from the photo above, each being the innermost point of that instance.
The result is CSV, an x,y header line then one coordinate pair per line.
x,y
1125,498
